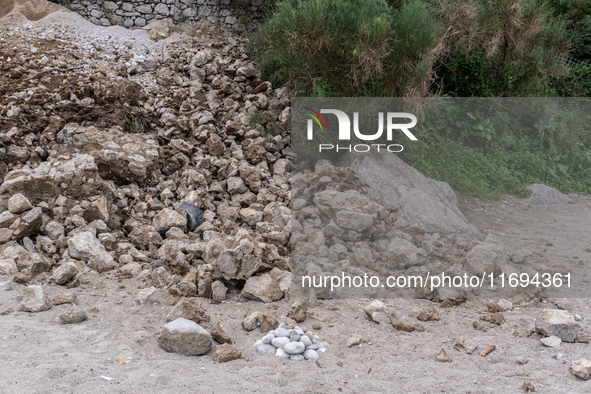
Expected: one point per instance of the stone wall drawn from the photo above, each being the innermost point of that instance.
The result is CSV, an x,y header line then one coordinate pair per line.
x,y
138,13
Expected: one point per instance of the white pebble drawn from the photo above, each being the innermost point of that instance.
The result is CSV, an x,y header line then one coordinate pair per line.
x,y
311,354
280,342
267,339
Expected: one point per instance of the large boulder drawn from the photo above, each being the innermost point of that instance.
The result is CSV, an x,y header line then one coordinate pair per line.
x,y
119,156
267,287
423,200
86,247
78,171
547,195
185,337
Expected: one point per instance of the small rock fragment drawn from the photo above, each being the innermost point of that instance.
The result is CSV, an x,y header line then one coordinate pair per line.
x,y
226,353
581,368
442,356
465,345
218,334
354,339
552,341
528,387
428,314
251,321
559,323
73,316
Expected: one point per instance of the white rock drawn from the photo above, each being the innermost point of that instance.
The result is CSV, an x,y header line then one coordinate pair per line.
x,y
294,348
34,299
267,339
281,353
266,349
311,354
552,341
280,342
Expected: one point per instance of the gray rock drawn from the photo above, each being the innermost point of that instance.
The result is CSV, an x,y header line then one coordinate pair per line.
x,y
185,337
305,340
218,290
555,322
131,156
281,353
486,257
404,253
421,200
282,332
86,247
267,339
296,357
251,321
311,354
19,203
552,341
73,316
547,195
194,216
280,342
294,348
151,295
294,336
34,299
520,255
266,349
168,218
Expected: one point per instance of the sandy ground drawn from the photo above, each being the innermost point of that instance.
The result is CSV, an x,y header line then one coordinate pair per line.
x,y
39,354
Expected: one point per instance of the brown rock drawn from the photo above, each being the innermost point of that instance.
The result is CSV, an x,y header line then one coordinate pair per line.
x,y
398,325
298,310
218,333
226,353
188,309
428,314
68,298
442,356
527,386
268,321
251,321
73,316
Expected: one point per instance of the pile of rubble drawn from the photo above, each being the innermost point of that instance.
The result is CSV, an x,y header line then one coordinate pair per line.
x,y
105,152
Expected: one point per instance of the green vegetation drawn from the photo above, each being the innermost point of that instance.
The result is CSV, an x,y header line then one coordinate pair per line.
x,y
458,48
494,155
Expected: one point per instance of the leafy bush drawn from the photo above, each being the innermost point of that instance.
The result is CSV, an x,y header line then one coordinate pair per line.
x,y
575,83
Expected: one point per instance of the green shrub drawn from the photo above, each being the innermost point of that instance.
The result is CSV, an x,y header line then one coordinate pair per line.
x,y
517,41
575,83
348,47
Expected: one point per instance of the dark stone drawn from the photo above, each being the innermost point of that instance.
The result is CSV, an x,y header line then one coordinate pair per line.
x,y
194,216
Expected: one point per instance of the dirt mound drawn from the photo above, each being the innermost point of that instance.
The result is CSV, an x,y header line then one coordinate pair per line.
x,y
32,10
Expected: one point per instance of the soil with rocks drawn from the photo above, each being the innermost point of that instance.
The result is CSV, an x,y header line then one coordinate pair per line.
x,y
146,219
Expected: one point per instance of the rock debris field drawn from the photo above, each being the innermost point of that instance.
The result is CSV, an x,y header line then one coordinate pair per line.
x,y
146,222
